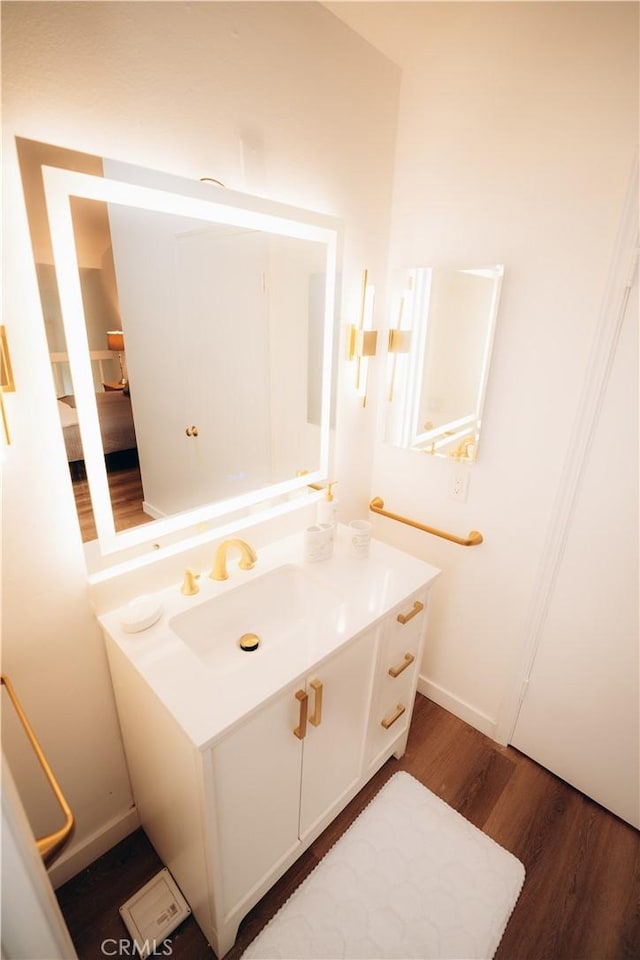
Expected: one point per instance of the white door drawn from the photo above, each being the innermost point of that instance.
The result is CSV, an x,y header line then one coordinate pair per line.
x,y
333,749
580,714
194,310
223,303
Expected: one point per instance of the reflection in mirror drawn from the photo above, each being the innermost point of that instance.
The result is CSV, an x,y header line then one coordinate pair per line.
x,y
439,357
191,335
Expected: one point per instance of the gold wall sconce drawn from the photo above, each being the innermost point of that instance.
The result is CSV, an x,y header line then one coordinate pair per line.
x,y
363,340
7,384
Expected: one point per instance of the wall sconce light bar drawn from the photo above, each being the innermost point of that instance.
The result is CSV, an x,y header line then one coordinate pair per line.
x,y
6,373
363,341
399,341
7,383
5,422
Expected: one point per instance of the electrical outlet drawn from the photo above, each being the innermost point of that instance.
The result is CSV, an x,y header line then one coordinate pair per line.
x,y
459,489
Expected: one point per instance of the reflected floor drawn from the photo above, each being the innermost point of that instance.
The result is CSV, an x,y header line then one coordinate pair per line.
x,y
125,486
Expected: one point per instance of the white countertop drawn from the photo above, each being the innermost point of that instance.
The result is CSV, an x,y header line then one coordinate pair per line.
x,y
206,702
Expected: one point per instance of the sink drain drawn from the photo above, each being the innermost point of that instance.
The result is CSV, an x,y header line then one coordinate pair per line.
x,y
249,642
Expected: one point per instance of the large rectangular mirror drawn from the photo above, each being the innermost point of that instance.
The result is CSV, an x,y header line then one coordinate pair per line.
x,y
439,356
191,332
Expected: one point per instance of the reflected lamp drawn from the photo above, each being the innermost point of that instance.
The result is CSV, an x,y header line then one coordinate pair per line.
x,y
115,342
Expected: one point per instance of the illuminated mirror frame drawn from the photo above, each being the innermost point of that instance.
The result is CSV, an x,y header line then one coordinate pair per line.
x,y
227,208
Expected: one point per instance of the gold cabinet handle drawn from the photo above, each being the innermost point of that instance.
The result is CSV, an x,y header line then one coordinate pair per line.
x,y
405,617
316,719
301,730
192,431
396,671
389,721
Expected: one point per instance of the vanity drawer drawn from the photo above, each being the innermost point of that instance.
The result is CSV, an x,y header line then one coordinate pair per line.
x,y
402,639
396,674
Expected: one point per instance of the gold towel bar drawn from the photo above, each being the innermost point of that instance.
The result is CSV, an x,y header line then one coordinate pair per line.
x,y
47,846
474,538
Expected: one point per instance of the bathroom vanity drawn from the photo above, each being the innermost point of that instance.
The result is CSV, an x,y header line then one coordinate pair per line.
x,y
239,759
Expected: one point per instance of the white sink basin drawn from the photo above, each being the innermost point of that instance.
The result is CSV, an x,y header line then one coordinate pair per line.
x,y
284,607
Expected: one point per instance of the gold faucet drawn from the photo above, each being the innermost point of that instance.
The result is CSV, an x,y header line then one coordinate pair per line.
x,y
247,559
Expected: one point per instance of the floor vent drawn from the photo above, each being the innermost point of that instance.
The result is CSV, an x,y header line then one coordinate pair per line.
x,y
154,912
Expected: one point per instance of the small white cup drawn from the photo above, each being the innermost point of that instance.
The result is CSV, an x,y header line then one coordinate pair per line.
x,y
360,537
317,542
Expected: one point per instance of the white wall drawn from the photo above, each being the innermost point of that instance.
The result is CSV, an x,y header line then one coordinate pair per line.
x,y
278,99
518,123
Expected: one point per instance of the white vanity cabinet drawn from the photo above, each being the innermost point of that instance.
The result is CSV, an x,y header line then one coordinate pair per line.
x,y
280,776
235,774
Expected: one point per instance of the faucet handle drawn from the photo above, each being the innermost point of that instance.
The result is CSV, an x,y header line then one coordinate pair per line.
x,y
189,586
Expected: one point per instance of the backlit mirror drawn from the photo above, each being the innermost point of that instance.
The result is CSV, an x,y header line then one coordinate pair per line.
x,y
191,336
439,355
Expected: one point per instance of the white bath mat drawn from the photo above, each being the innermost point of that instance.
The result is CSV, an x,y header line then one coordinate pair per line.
x,y
410,878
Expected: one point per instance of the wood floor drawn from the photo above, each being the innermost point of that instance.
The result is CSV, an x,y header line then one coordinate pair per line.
x,y
580,900
125,487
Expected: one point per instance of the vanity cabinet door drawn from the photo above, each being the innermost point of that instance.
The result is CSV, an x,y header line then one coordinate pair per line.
x,y
256,771
396,675
285,768
334,745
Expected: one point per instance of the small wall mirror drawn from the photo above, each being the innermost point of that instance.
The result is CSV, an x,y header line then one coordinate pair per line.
x,y
191,336
439,356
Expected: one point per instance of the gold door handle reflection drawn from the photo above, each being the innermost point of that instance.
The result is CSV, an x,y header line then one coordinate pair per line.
x,y
192,431
316,719
396,671
389,721
405,617
301,730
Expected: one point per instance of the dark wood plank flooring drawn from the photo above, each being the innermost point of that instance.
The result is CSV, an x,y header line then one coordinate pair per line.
x,y
125,487
580,901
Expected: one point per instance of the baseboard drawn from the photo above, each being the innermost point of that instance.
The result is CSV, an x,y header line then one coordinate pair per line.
x,y
459,708
76,858
152,511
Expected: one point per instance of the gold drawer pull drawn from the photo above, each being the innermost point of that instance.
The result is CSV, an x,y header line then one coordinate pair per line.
x,y
301,730
396,671
405,617
316,719
389,721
